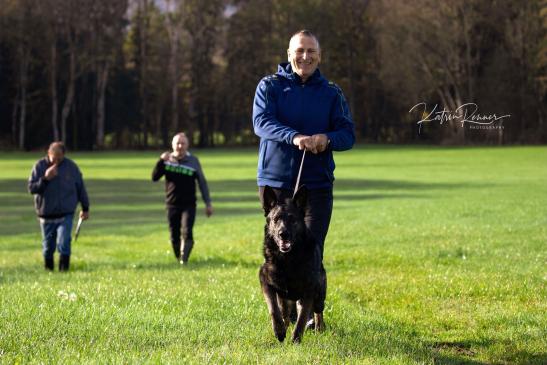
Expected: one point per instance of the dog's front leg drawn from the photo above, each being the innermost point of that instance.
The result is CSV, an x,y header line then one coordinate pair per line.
x,y
277,321
285,306
304,309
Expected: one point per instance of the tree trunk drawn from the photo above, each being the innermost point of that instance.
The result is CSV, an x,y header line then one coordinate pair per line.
x,y
53,86
143,68
173,32
14,137
102,80
70,93
23,79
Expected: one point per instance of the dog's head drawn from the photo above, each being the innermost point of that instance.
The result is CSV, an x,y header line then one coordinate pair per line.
x,y
285,220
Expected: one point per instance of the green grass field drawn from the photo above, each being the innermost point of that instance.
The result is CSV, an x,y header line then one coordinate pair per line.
x,y
435,255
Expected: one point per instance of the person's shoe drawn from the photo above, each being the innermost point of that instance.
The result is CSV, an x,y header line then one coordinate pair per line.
x,y
49,264
64,263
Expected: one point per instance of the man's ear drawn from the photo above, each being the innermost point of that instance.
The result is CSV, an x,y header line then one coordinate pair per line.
x,y
269,199
300,199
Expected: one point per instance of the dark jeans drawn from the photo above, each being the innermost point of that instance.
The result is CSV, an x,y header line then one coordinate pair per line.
x,y
56,233
181,221
317,215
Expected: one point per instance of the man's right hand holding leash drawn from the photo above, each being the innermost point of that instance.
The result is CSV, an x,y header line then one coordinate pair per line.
x,y
315,144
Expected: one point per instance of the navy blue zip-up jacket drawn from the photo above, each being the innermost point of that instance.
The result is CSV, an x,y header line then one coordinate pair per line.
x,y
59,196
284,107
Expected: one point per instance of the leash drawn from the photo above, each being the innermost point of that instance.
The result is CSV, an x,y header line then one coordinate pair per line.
x,y
299,174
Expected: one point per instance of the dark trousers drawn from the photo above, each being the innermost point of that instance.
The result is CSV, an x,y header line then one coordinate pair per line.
x,y
317,215
181,222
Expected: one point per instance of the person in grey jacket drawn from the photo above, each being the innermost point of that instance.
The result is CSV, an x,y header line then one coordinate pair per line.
x,y
181,170
57,185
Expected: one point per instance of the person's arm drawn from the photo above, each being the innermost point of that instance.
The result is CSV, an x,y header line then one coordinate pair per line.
x,y
159,170
342,135
82,194
37,182
202,182
265,121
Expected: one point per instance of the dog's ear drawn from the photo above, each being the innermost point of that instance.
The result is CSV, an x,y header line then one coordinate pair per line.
x,y
300,199
269,199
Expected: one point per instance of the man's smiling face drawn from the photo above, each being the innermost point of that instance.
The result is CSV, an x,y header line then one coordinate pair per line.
x,y
304,55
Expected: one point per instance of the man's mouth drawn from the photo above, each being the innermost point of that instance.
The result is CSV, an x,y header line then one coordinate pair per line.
x,y
285,247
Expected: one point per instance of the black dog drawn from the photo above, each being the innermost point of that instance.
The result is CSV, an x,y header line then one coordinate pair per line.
x,y
292,270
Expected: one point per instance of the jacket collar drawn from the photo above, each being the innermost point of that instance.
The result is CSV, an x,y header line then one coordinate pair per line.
x,y
285,70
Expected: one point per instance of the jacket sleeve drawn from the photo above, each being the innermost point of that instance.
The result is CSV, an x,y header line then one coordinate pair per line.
x,y
81,190
159,170
37,183
265,122
342,135
202,182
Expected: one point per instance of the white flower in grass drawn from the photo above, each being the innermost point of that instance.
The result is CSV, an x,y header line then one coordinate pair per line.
x,y
67,296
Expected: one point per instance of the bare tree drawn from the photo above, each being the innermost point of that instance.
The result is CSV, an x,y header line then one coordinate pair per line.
x,y
173,24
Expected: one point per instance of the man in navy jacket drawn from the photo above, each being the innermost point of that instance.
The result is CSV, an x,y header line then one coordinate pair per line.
x,y
58,186
298,109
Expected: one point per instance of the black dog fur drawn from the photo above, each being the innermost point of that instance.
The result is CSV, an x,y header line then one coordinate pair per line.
x,y
292,270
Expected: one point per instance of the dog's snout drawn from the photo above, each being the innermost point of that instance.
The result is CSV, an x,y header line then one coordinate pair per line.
x,y
284,234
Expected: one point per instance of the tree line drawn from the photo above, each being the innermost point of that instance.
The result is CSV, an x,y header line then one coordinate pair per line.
x,y
130,73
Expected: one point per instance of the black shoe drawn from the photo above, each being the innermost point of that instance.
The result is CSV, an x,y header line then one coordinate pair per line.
x,y
64,263
48,263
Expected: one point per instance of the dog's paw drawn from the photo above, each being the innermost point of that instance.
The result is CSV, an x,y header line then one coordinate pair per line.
x,y
296,338
280,330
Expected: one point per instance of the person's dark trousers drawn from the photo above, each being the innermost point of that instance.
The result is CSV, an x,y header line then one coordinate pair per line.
x,y
181,223
56,234
317,215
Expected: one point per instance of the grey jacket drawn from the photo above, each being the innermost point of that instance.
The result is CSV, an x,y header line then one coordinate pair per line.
x,y
60,195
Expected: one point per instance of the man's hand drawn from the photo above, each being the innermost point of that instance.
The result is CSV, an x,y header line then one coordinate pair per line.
x,y
84,215
304,142
315,144
165,156
321,141
51,172
209,211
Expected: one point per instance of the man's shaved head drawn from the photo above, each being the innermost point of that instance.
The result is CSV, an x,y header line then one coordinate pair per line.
x,y
306,33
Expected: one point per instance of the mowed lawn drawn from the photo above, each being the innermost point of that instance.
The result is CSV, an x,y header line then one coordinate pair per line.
x,y
434,255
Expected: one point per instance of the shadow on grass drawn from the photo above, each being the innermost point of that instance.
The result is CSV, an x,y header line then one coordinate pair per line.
x,y
30,270
168,264
119,202
462,352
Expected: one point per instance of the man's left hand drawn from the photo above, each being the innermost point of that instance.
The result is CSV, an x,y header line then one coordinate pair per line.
x,y
320,142
209,211
84,215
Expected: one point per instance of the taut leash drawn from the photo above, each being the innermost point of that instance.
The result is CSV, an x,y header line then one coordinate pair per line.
x,y
299,174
